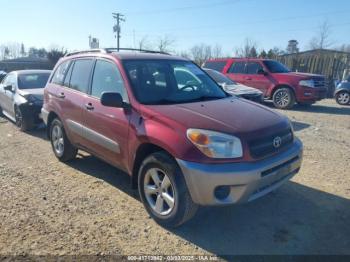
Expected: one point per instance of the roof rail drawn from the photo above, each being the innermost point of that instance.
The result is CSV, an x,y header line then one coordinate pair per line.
x,y
112,50
87,52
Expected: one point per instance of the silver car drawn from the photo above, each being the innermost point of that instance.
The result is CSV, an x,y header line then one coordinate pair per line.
x,y
21,97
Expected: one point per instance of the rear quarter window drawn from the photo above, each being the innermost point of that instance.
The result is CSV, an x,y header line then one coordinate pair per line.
x,y
215,65
60,73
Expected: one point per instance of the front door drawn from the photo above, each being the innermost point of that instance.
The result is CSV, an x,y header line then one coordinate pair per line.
x,y
7,96
255,79
237,72
105,128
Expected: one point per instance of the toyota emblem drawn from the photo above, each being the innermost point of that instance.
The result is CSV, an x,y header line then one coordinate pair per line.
x,y
277,142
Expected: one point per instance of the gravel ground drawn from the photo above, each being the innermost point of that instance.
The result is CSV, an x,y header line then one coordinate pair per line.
x,y
88,208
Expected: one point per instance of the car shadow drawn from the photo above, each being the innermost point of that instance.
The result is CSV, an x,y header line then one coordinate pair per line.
x,y
299,126
95,167
39,132
295,219
317,108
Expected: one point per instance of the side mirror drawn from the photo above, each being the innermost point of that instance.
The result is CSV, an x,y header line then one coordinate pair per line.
x,y
9,88
262,72
111,99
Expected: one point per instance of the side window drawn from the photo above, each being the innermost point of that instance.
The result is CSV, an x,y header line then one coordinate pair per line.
x,y
60,73
66,82
237,68
81,75
215,65
253,68
107,78
10,79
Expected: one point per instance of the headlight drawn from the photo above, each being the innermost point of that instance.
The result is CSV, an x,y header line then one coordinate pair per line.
x,y
215,144
307,83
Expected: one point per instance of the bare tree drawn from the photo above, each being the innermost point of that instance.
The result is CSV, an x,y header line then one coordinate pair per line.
x,y
248,50
344,48
322,39
165,44
217,51
143,43
200,53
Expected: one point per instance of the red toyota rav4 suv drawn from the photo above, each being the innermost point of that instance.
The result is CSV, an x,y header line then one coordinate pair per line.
x,y
274,79
182,139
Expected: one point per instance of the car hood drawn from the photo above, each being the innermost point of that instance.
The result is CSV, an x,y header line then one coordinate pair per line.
x,y
230,115
300,75
36,92
240,89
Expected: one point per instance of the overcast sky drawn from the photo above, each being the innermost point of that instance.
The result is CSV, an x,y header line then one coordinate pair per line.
x,y
269,23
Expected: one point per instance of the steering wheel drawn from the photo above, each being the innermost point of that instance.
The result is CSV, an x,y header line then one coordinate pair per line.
x,y
188,86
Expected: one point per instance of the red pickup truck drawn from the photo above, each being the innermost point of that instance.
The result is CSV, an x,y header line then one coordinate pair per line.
x,y
274,79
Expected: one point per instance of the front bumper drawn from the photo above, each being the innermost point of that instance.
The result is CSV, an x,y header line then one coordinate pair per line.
x,y
313,94
32,111
44,115
245,181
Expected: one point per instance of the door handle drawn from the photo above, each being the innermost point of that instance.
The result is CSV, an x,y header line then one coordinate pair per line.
x,y
248,78
89,107
62,95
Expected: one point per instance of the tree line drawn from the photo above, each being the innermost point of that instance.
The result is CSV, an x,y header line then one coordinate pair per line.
x,y
17,50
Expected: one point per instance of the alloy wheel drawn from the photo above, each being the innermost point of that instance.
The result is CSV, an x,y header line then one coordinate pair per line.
x,y
159,192
57,140
282,98
18,117
344,98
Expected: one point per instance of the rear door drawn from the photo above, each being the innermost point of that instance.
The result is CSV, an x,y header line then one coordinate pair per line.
x,y
106,128
254,79
72,95
237,71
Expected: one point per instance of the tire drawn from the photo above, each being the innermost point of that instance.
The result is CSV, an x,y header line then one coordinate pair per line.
x,y
173,186
283,98
343,98
61,146
24,123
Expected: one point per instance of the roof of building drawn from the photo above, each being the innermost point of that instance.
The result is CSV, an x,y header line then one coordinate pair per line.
x,y
318,51
26,60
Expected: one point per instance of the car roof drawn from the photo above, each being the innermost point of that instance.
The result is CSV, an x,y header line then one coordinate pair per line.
x,y
124,55
25,72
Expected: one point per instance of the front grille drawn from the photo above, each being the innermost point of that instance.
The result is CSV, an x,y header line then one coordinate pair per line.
x,y
263,147
320,82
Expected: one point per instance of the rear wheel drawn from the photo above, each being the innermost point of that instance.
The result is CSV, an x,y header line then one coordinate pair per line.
x,y
163,191
343,98
62,147
22,122
284,98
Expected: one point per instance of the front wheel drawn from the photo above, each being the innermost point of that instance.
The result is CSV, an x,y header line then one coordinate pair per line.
x,y
343,98
24,123
60,143
284,98
163,191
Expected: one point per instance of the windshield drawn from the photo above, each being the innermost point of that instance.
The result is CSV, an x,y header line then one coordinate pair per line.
x,y
276,67
32,81
220,78
157,82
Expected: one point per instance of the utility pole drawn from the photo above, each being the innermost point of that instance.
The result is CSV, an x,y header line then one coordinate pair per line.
x,y
116,28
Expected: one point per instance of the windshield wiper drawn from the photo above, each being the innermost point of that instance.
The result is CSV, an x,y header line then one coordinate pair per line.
x,y
205,98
